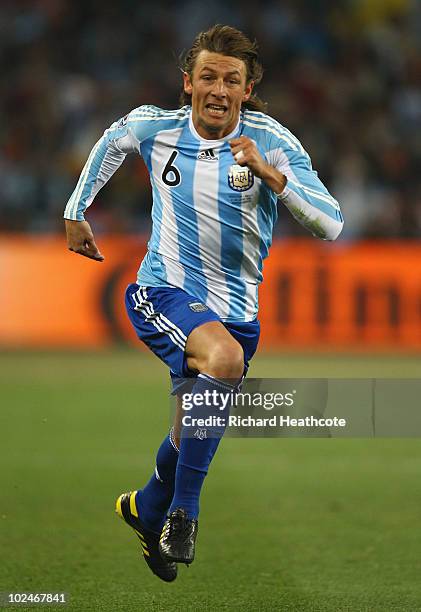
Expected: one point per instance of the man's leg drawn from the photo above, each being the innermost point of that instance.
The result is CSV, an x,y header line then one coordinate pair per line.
x,y
219,360
155,498
212,351
188,340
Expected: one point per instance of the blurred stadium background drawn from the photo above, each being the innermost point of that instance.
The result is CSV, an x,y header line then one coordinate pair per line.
x,y
311,524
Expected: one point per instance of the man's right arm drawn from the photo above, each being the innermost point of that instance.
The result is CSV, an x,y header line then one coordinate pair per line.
x,y
105,158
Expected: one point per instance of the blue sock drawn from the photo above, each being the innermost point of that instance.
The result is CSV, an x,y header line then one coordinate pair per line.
x,y
155,498
198,444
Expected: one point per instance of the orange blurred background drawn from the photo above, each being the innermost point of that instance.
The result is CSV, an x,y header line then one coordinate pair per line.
x,y
341,296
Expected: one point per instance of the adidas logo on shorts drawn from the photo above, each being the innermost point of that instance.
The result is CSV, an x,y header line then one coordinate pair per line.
x,y
198,307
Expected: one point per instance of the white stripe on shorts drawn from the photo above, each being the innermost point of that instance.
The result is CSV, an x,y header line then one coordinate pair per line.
x,y
158,320
163,318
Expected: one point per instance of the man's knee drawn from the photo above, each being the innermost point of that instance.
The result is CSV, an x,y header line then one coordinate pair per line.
x,y
225,360
212,350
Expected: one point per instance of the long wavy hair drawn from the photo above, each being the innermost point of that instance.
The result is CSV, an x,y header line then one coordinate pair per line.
x,y
227,41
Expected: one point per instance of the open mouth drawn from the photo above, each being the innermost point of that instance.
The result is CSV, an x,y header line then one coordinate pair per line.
x,y
216,110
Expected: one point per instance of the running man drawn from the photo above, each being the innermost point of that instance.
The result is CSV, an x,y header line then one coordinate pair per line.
x,y
219,167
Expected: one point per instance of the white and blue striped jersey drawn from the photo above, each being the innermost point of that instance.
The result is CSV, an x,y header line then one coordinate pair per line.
x,y
212,219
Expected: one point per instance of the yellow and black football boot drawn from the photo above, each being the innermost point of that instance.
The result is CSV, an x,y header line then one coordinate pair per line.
x,y
178,537
149,540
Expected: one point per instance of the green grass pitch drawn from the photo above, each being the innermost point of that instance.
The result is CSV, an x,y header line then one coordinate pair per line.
x,y
286,524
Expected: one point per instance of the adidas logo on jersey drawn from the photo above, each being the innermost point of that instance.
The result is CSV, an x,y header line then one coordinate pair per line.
x,y
208,155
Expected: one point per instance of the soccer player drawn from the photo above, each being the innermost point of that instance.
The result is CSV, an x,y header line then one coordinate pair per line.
x,y
219,166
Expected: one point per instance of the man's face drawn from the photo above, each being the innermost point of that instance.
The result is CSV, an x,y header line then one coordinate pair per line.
x,y
218,87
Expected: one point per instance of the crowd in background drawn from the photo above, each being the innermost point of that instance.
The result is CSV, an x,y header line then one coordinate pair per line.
x,y
344,76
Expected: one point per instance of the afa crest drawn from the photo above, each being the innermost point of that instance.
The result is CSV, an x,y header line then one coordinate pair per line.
x,y
240,178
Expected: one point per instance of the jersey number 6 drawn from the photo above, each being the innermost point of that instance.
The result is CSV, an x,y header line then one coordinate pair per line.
x,y
171,174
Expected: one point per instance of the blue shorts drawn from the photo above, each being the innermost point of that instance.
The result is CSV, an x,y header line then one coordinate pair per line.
x,y
163,318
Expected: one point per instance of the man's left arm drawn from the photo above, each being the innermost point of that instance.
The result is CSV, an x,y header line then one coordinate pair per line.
x,y
295,183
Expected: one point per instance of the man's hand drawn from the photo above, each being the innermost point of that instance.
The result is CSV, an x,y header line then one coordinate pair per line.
x,y
80,239
246,153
